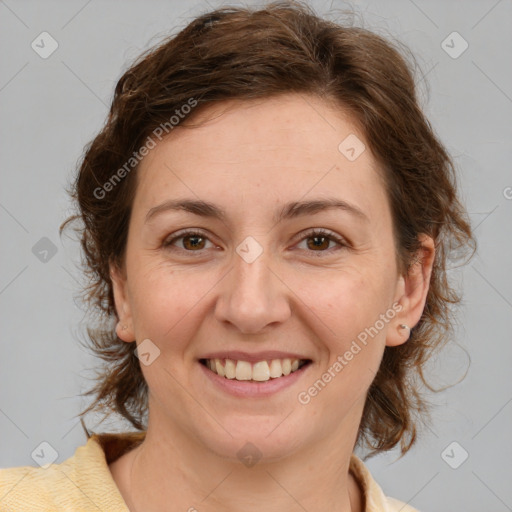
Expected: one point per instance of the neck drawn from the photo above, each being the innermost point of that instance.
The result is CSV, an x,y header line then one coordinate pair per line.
x,y
171,472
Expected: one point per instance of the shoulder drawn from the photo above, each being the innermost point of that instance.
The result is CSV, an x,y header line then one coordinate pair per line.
x,y
30,488
81,482
375,499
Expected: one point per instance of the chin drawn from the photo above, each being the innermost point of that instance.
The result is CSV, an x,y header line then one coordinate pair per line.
x,y
254,438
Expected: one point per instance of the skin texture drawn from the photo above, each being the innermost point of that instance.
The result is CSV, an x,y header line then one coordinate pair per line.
x,y
250,159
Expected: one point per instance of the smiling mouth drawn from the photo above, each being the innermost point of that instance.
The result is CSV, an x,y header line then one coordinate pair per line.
x,y
259,371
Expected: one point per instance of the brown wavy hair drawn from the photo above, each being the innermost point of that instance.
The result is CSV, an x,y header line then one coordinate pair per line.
x,y
239,53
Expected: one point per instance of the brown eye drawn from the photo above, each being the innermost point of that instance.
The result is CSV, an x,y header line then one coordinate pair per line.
x,y
192,241
318,240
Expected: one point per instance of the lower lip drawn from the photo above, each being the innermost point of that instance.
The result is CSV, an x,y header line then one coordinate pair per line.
x,y
252,389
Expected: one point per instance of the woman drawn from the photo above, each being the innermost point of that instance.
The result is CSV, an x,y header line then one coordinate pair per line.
x,y
266,221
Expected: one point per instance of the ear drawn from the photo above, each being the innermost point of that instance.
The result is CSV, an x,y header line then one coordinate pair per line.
x,y
412,292
124,327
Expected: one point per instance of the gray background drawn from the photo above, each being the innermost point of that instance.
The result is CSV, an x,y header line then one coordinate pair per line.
x,y
52,107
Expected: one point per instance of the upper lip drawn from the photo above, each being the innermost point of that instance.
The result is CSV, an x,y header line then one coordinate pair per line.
x,y
255,357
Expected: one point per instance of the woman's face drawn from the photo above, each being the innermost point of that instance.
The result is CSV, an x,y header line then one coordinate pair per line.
x,y
257,284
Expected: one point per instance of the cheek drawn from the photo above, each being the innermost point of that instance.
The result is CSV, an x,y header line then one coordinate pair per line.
x,y
168,304
347,301
161,300
352,311
347,316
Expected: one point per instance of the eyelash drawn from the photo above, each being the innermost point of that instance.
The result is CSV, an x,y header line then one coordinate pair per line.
x,y
314,232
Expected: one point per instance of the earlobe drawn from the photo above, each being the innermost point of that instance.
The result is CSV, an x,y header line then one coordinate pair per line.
x,y
124,327
121,331
414,288
399,332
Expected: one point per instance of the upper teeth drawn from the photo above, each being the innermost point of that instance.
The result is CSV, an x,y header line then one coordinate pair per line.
x,y
260,371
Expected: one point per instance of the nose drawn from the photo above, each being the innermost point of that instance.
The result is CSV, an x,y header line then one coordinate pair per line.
x,y
252,295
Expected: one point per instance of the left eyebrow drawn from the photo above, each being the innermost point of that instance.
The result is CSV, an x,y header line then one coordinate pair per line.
x,y
289,211
297,209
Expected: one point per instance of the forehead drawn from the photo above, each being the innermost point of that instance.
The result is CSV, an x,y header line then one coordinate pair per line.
x,y
263,152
